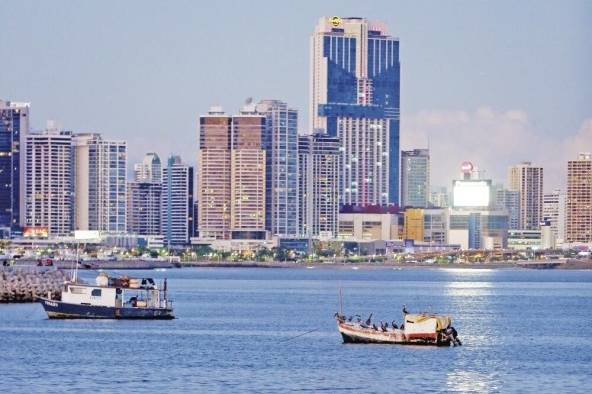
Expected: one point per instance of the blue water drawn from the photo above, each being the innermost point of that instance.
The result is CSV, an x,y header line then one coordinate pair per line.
x,y
523,331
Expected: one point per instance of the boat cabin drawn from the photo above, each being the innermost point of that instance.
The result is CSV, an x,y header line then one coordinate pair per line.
x,y
115,292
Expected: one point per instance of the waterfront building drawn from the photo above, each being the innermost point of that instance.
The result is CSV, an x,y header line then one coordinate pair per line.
x,y
319,168
305,186
578,205
280,142
100,167
354,96
524,239
475,222
14,127
510,201
413,224
231,182
247,181
528,181
49,183
213,181
415,178
426,225
144,208
368,224
149,170
439,198
554,213
177,202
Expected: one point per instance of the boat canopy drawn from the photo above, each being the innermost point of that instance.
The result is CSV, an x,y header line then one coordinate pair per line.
x,y
442,322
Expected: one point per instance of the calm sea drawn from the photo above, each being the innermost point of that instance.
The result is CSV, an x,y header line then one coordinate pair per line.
x,y
523,331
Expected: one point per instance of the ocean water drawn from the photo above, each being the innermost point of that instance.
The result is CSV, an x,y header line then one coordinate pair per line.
x,y
238,331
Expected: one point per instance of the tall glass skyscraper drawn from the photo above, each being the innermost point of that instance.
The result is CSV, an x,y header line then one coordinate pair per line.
x,y
280,142
14,127
415,178
354,88
99,183
177,202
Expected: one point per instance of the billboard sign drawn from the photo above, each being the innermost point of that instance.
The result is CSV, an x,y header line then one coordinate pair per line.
x,y
35,232
471,194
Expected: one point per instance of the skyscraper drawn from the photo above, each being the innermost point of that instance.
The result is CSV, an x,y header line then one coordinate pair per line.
x,y
99,183
415,178
319,167
177,202
281,169
510,201
554,213
247,181
354,95
144,208
528,181
214,174
231,181
14,127
144,197
49,183
149,170
578,204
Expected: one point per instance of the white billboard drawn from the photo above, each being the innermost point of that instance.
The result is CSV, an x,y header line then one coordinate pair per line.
x,y
471,193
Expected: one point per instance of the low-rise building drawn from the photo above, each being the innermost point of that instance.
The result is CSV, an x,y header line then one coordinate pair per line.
x,y
524,239
368,226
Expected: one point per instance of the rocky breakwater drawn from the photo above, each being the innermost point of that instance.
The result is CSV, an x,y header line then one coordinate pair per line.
x,y
25,285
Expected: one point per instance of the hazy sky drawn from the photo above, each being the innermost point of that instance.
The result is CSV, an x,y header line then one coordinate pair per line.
x,y
493,82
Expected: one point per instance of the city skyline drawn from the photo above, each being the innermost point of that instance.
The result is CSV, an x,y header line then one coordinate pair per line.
x,y
489,86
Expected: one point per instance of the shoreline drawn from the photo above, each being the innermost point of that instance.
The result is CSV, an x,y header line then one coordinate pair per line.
x,y
147,265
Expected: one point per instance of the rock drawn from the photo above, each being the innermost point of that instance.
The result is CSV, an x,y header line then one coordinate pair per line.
x,y
26,284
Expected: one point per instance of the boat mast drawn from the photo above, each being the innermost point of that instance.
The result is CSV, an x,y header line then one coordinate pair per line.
x,y
75,276
340,301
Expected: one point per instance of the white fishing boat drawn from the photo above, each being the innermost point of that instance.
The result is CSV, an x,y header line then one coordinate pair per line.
x,y
111,298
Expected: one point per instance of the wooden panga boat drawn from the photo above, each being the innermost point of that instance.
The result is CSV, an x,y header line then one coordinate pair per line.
x,y
418,329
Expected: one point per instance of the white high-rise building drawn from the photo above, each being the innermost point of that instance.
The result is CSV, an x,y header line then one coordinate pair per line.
x,y
99,183
280,142
554,213
319,191
149,170
48,186
528,181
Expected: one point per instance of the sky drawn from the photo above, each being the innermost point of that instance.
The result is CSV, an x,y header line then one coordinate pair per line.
x,y
495,82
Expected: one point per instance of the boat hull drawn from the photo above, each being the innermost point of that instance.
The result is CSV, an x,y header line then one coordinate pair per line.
x,y
357,334
62,310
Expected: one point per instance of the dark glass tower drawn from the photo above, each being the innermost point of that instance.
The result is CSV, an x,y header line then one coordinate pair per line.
x,y
355,86
14,127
